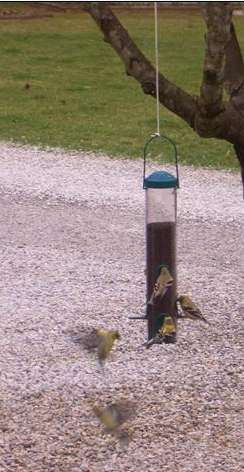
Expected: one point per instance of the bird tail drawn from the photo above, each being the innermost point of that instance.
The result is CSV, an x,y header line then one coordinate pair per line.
x,y
155,340
205,320
150,301
149,343
124,438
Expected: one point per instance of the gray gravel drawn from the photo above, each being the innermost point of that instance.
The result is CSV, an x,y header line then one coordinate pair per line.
x,y
72,255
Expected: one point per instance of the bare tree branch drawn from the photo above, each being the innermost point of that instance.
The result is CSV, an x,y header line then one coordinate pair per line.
x,y
138,66
234,66
53,5
218,19
208,115
60,6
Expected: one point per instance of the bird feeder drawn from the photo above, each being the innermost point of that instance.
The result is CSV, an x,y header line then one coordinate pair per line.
x,y
161,207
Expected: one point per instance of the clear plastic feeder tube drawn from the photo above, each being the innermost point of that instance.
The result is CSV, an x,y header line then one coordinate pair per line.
x,y
160,205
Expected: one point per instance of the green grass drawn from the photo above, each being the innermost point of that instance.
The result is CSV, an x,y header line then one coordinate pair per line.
x,y
80,96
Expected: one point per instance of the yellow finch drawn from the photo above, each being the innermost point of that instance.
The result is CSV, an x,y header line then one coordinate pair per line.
x,y
113,416
168,328
190,309
99,340
163,282
167,333
106,340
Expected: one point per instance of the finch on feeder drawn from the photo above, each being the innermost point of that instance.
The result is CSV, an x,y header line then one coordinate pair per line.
x,y
190,309
168,328
166,333
163,282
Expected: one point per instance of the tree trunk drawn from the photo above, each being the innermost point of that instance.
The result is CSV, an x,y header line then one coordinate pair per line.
x,y
218,35
240,154
234,67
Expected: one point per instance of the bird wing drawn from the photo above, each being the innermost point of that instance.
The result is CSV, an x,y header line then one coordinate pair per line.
x,y
194,311
106,343
115,414
126,410
88,338
107,417
160,289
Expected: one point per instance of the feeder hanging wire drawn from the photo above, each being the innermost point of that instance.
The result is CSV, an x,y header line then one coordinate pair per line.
x,y
157,66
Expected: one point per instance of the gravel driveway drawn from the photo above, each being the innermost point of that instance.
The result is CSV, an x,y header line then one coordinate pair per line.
x,y
72,255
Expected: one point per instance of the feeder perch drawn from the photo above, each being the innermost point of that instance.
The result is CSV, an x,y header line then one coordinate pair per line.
x,y
161,208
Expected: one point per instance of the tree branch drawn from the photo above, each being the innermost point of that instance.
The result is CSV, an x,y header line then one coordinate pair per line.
x,y
53,5
234,66
218,19
60,6
138,66
208,115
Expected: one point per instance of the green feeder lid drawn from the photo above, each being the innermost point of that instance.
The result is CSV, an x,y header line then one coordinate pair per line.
x,y
160,179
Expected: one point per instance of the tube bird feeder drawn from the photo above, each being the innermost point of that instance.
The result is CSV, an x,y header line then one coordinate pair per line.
x,y
161,213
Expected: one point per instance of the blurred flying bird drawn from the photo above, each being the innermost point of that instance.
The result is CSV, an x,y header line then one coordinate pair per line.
x,y
106,340
163,282
99,340
190,309
113,416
